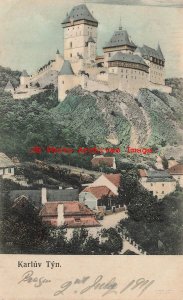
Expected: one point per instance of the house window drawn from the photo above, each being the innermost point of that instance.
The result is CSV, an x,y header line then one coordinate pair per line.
x,y
151,184
70,44
70,54
62,82
163,192
77,220
9,170
163,184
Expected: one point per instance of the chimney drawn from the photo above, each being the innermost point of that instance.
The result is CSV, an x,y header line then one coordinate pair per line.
x,y
60,211
43,195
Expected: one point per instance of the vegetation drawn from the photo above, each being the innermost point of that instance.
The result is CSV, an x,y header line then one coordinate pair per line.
x,y
157,226
22,231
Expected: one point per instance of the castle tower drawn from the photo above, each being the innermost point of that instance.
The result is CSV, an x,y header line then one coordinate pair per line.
x,y
66,80
24,79
79,26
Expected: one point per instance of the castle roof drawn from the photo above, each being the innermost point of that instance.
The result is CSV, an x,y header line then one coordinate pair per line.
x,y
79,12
24,74
160,52
9,86
148,52
120,38
119,56
66,68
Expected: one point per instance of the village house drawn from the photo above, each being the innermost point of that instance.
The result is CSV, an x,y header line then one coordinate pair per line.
x,y
101,161
93,196
176,171
41,196
160,183
112,181
71,214
7,167
106,186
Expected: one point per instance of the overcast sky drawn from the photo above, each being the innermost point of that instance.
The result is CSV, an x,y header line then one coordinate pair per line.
x,y
31,32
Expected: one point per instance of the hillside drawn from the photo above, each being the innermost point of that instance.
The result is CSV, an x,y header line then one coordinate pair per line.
x,y
86,119
117,118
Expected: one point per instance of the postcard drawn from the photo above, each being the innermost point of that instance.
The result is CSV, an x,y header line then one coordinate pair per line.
x,y
91,149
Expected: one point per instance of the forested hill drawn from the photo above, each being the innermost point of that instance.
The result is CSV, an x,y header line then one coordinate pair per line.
x,y
7,74
86,119
152,118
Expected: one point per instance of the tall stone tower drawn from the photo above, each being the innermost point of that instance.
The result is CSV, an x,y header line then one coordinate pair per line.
x,y
80,34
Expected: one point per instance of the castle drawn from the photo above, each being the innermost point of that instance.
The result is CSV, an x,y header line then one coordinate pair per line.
x,y
123,65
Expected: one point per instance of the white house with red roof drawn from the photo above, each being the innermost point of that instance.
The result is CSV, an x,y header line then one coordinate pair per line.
x,y
105,186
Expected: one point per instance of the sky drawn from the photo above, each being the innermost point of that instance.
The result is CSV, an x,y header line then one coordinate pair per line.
x,y
31,31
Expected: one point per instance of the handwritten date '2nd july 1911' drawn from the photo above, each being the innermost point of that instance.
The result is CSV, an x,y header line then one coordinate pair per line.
x,y
87,284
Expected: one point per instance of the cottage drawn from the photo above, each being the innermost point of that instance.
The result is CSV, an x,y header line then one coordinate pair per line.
x,y
177,172
6,166
99,161
160,183
93,196
71,214
112,181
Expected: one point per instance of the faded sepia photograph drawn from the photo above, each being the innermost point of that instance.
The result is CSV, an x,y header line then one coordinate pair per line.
x,y
91,127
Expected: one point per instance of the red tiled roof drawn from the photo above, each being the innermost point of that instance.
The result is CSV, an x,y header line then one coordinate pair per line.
x,y
114,178
99,191
83,221
108,161
142,173
176,170
70,208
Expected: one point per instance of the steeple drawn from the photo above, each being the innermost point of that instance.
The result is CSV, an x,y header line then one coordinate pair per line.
x,y
120,25
160,52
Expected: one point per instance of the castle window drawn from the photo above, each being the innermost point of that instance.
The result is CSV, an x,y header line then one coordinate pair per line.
x,y
126,76
163,184
70,44
163,192
70,54
62,82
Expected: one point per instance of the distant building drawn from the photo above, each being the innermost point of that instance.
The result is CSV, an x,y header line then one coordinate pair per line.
x,y
160,183
7,167
177,172
99,161
71,214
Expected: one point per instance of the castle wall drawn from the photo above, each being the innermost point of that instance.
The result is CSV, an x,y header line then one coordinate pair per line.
x,y
45,78
93,85
126,79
